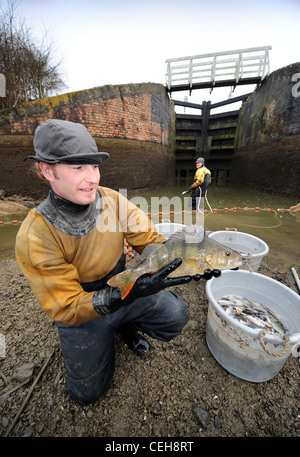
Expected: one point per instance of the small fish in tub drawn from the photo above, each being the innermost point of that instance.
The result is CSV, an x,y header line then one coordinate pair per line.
x,y
253,314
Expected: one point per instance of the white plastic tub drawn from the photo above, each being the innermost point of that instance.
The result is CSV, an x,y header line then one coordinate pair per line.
x,y
245,244
237,347
168,228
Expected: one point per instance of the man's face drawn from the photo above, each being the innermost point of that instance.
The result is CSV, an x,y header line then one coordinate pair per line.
x,y
198,165
76,183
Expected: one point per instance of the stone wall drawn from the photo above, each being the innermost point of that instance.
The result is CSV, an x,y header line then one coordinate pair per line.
x,y
267,145
135,123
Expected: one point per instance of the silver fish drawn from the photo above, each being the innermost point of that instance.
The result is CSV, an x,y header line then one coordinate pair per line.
x,y
252,314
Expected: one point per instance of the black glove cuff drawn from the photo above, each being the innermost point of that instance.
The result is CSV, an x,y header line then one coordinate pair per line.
x,y
107,300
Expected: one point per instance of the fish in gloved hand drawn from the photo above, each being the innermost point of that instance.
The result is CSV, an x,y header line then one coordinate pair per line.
x,y
201,256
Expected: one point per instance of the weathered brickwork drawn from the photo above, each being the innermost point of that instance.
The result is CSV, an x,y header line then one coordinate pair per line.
x,y
267,145
138,112
135,123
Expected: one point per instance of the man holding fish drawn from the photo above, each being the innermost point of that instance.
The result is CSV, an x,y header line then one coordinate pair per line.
x,y
74,262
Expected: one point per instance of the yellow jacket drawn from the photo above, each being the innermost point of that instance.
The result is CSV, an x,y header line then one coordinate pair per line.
x,y
202,178
57,251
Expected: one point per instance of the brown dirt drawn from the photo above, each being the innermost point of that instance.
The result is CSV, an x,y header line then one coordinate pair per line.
x,y
153,397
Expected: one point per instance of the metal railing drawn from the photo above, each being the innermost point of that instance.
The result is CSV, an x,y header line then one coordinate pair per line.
x,y
218,66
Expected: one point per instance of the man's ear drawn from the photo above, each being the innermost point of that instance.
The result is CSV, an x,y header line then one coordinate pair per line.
x,y
48,171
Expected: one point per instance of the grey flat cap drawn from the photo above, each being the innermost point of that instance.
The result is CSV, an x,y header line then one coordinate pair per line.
x,y
57,141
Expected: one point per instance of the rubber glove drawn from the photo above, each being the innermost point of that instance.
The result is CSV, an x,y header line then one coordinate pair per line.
x,y
208,274
108,300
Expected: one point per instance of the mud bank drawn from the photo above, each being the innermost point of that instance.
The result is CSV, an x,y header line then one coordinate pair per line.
x,y
157,396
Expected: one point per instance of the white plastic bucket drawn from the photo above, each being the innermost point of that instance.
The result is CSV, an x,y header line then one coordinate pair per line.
x,y
237,347
168,228
243,243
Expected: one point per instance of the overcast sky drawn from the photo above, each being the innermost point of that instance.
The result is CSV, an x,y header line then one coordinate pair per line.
x,y
127,41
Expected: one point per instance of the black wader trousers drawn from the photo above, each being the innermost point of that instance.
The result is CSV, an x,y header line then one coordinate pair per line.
x,y
88,348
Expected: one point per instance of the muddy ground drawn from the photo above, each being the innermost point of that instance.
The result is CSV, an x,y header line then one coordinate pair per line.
x,y
158,396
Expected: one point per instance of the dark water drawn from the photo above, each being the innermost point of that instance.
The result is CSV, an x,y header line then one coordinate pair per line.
x,y
280,230
8,232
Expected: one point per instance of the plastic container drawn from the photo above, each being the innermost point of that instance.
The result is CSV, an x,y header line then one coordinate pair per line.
x,y
168,228
237,347
245,244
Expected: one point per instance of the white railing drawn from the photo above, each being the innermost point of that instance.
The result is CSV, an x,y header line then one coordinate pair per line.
x,y
218,66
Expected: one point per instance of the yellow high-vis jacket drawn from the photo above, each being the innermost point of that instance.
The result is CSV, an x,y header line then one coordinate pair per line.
x,y
202,178
58,250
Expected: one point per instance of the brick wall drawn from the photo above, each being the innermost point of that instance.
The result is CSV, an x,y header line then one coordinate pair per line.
x,y
135,123
267,146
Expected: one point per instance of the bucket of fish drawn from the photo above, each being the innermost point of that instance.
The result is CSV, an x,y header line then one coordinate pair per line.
x,y
253,324
245,244
168,228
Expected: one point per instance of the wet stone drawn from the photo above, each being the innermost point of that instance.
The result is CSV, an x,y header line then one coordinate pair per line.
x,y
202,415
217,422
23,372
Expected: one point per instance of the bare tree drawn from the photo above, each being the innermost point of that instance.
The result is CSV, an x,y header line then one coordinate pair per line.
x,y
26,65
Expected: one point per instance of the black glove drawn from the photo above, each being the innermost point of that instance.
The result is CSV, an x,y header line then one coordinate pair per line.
x,y
208,274
190,189
149,284
146,284
109,299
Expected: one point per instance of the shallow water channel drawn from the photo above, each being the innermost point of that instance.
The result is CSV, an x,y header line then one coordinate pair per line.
x,y
224,207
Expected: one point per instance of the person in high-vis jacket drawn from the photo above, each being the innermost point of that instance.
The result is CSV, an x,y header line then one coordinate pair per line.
x,y
199,187
72,243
